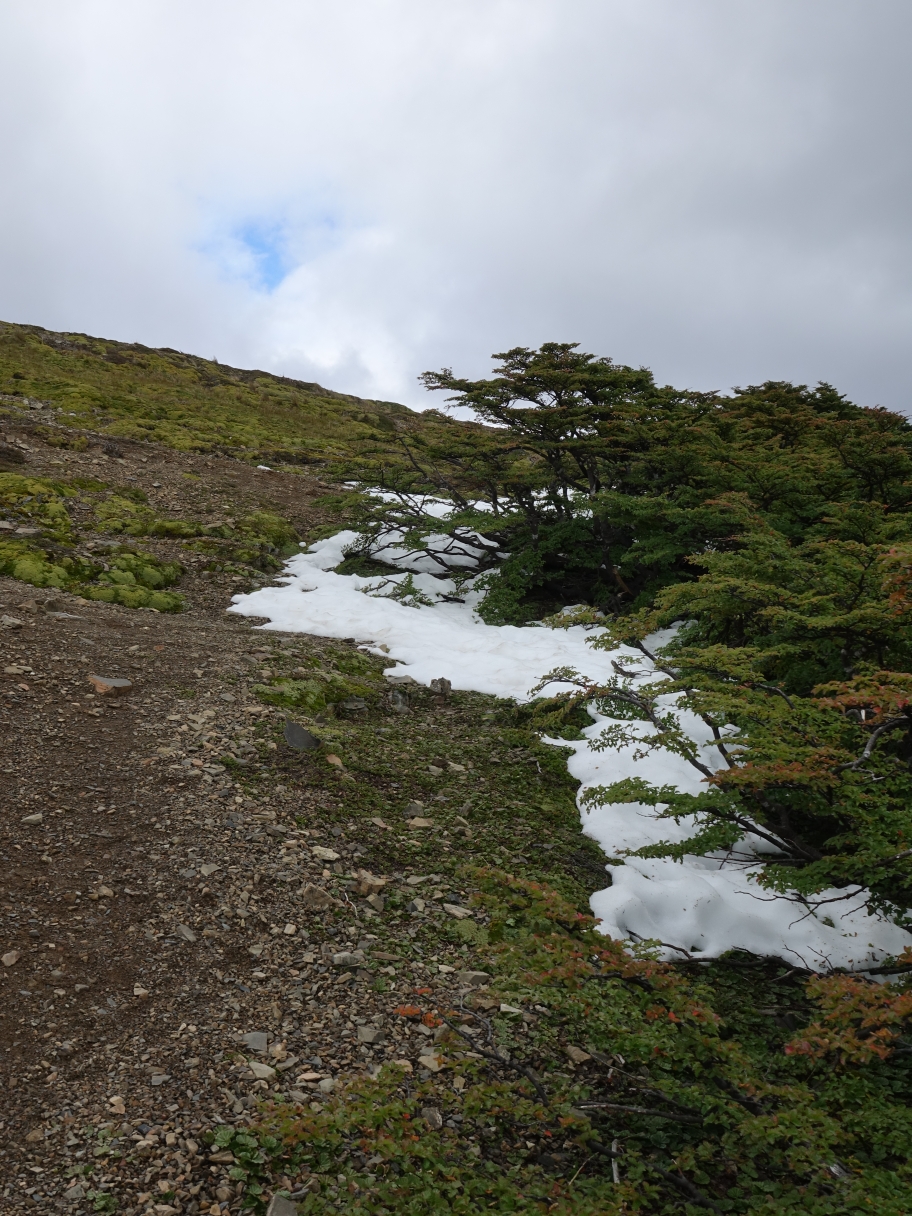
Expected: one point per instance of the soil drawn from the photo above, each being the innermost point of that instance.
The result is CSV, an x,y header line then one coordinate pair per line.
x,y
156,848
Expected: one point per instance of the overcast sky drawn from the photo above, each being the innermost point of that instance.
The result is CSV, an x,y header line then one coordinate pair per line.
x,y
357,191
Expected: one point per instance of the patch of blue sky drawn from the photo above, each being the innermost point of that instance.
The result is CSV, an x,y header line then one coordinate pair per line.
x,y
263,251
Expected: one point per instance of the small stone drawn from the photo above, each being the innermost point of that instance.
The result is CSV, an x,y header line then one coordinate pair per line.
x,y
504,1008
10,622
372,1035
455,768
226,696
369,884
441,686
33,819
349,958
138,990
432,1117
110,686
431,1063
334,760
327,1085
457,911
256,1040
420,823
186,933
324,854
262,1072
256,950
280,1206
315,899
434,770
209,869
473,979
414,808
159,1078
377,902
415,880
35,1136
10,957
393,678
298,737
74,1193
105,893
577,1055
117,1105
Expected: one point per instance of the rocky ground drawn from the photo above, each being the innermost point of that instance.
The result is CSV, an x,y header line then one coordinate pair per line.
x,y
196,915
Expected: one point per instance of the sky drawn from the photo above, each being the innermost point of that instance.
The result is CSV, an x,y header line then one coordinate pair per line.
x,y
359,191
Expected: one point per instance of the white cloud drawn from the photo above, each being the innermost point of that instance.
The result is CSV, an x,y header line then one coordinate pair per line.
x,y
717,189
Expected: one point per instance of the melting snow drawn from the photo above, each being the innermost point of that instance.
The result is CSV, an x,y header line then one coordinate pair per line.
x,y
701,907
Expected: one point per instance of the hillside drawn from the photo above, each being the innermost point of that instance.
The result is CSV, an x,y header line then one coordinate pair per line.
x,y
279,921
129,391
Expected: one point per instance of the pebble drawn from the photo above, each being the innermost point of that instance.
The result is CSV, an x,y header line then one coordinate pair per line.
x,y
576,1054
262,1072
186,933
324,854
457,911
280,1206
372,1035
472,979
256,1040
432,1117
107,686
10,957
315,899
298,737
420,823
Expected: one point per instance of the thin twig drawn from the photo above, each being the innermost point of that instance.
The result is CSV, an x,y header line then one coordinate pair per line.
x,y
639,1110
498,1058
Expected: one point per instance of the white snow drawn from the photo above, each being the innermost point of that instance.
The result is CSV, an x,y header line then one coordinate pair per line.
x,y
701,907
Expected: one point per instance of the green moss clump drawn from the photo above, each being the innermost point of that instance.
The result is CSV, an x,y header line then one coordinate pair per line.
x,y
127,577
314,694
39,501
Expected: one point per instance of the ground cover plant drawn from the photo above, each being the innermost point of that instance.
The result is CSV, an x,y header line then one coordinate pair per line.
x,y
569,1075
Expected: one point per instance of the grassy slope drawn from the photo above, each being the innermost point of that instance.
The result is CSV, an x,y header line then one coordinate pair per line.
x,y
192,404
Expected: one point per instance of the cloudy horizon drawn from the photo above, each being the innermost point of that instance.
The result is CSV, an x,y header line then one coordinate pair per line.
x,y
356,193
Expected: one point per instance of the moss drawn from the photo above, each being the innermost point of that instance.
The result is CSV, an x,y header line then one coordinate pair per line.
x,y
193,404
315,694
127,576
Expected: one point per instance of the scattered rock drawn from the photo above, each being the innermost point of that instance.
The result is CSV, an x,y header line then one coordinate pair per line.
x,y
420,823
262,1072
393,678
298,737
577,1055
186,933
472,979
10,958
372,1035
455,768
280,1206
256,1040
434,770
432,1117
349,958
441,686
377,902
323,853
456,910
432,1063
334,760
10,622
110,686
32,819
315,899
369,884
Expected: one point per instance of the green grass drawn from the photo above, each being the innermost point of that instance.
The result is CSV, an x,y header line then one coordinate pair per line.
x,y
132,391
